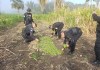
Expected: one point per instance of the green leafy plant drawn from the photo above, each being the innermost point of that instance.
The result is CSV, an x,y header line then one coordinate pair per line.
x,y
48,47
8,20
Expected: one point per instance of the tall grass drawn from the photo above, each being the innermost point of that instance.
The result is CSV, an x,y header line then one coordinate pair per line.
x,y
8,20
81,17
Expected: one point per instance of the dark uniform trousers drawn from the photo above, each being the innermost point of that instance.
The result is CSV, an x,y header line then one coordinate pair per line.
x,y
97,46
97,42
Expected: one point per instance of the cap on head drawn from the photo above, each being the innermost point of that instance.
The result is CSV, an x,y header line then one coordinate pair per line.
x,y
28,10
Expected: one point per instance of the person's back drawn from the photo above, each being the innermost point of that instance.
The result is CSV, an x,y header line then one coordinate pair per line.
x,y
27,33
28,17
70,37
73,33
57,27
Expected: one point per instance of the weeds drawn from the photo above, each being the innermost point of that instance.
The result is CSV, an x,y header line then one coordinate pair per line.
x,y
81,17
47,46
8,20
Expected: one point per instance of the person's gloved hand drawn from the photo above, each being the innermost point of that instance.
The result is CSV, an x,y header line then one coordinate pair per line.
x,y
65,46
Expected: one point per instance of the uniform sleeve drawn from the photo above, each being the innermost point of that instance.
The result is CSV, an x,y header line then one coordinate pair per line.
x,y
66,38
53,27
32,18
98,19
65,41
24,16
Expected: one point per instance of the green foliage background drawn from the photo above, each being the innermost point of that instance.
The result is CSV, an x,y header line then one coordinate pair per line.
x,y
8,20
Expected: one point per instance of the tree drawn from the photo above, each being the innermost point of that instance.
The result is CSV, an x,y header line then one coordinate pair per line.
x,y
37,9
30,5
58,4
42,4
97,2
87,0
49,7
90,1
17,4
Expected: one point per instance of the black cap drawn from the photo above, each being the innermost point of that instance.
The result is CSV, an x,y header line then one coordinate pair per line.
x,y
28,10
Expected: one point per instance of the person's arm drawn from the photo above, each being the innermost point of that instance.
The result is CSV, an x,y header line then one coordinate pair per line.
x,y
31,18
24,17
65,40
64,44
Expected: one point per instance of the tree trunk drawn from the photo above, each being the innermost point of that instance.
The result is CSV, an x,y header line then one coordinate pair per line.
x,y
58,4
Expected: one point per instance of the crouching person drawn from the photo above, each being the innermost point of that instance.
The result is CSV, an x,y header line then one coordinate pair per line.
x,y
97,42
27,33
57,27
70,38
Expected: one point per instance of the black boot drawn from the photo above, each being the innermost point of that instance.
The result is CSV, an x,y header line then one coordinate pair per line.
x,y
70,53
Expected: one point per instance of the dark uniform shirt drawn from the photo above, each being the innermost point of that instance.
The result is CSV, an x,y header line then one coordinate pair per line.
x,y
28,18
72,34
58,25
27,32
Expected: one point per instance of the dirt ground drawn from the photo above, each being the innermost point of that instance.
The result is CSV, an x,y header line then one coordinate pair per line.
x,y
15,53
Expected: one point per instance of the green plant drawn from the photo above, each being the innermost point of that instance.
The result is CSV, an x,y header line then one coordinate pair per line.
x,y
80,17
36,55
47,46
8,20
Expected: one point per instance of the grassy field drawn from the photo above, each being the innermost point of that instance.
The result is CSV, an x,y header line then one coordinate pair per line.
x,y
48,47
45,46
45,52
81,17
8,20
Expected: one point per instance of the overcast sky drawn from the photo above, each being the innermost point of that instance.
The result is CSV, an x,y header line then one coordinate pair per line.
x,y
5,5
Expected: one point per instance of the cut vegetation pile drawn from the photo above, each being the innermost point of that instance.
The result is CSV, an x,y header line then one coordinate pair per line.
x,y
47,46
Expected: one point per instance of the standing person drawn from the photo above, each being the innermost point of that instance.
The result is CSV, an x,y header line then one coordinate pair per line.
x,y
70,38
57,27
27,33
97,42
28,17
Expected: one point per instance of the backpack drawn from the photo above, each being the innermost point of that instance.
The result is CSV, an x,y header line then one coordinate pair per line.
x,y
28,17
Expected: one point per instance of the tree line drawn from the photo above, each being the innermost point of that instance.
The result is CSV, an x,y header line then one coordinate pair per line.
x,y
45,6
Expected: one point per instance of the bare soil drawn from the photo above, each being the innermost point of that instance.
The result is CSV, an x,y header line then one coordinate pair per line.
x,y
15,53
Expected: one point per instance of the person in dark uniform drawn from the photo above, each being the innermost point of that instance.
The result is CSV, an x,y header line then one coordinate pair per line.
x,y
57,27
70,38
27,33
28,17
97,42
